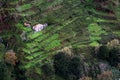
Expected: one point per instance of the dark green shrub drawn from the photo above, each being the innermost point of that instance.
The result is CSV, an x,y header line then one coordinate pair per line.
x,y
116,73
75,68
5,74
2,47
61,64
19,72
103,53
69,68
2,51
48,71
114,56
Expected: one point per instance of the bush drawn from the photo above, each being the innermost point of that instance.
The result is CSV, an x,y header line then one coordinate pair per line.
x,y
10,57
61,64
19,72
48,71
116,73
2,50
2,47
75,67
4,73
103,53
114,57
69,68
113,43
106,75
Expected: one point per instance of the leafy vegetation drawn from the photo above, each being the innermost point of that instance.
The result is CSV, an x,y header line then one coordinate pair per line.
x,y
67,67
90,27
103,52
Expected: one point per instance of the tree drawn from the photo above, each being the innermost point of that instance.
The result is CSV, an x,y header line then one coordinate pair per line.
x,y
114,57
61,65
75,68
5,73
103,53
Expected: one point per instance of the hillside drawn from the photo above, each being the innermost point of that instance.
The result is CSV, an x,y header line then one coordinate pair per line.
x,y
60,40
